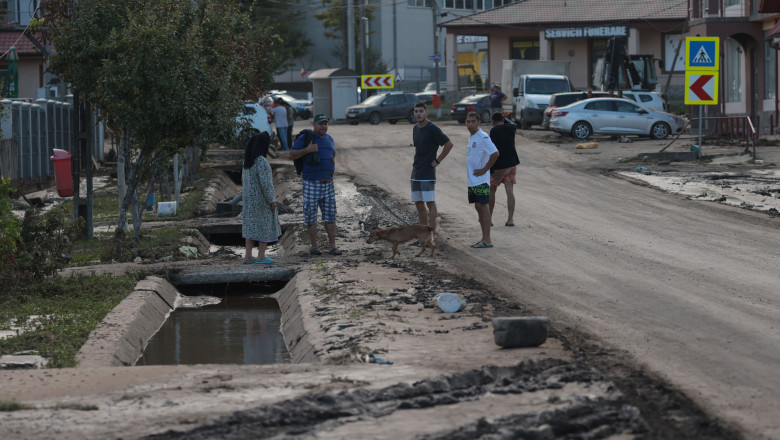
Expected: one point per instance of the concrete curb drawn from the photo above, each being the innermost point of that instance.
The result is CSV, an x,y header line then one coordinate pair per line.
x,y
119,340
219,188
298,328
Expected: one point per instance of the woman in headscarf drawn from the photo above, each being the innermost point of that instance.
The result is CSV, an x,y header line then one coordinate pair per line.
x,y
260,218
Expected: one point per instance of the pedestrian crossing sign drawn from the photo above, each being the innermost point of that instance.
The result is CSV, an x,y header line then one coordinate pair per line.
x,y
702,53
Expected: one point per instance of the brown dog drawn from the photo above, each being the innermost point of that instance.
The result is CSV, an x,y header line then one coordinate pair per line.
x,y
399,234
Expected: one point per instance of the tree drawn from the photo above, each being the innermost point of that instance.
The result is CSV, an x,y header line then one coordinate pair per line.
x,y
171,74
334,19
280,20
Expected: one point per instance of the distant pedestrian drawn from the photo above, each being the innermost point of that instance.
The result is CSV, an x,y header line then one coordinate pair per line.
x,y
481,154
503,171
290,122
318,190
280,119
260,219
496,99
427,138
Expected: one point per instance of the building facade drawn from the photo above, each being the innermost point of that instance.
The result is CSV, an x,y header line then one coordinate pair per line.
x,y
577,31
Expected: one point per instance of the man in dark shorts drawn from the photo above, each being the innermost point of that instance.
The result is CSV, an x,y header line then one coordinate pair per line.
x,y
503,171
481,154
427,138
318,190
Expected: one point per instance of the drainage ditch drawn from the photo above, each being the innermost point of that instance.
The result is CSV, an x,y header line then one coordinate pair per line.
x,y
221,324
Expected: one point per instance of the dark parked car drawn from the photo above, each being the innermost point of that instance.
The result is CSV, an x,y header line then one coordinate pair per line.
x,y
564,99
472,103
426,95
393,107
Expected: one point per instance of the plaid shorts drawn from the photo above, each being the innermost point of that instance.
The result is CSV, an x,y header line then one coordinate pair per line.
x,y
322,195
479,194
423,190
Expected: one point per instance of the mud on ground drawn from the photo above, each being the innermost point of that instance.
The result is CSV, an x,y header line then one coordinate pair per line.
x,y
447,380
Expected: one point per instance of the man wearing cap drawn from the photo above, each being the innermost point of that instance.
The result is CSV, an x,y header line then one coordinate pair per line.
x,y
318,191
496,99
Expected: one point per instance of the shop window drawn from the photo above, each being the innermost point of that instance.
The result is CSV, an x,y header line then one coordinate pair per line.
x,y
733,63
524,49
770,64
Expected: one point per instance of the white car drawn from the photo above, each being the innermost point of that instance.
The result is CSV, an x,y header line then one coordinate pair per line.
x,y
613,116
253,120
303,108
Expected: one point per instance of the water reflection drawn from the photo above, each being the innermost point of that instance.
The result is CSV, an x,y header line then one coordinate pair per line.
x,y
239,330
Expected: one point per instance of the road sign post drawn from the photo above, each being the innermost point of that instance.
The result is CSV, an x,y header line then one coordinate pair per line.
x,y
702,71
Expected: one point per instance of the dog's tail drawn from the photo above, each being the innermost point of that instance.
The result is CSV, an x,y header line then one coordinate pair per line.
x,y
436,223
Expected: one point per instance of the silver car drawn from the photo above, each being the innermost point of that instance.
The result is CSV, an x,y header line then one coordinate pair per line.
x,y
613,116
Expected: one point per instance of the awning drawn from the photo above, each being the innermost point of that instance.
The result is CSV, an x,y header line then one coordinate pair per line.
x,y
769,6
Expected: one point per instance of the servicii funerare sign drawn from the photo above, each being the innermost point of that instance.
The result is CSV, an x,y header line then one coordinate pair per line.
x,y
587,32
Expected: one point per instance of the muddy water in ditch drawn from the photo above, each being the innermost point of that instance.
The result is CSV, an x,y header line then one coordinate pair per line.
x,y
238,330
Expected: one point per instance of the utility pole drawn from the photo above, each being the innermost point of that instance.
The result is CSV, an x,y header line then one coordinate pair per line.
x,y
351,34
363,64
436,55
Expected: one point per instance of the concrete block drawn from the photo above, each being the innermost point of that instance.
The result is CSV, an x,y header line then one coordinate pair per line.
x,y
522,331
19,362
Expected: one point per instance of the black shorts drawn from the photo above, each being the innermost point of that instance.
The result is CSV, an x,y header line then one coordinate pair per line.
x,y
479,194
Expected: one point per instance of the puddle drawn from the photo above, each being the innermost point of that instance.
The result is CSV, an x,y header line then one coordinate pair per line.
x,y
758,190
235,330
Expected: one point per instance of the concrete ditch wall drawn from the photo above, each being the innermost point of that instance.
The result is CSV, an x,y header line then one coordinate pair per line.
x,y
298,331
120,339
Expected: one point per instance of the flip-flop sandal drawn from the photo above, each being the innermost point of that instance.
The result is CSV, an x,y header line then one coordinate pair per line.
x,y
253,260
268,260
509,224
315,251
481,245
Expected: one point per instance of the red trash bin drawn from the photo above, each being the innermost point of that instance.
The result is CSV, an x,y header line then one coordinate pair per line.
x,y
63,173
436,101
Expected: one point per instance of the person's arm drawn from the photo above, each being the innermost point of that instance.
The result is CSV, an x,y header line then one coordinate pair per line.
x,y
504,98
300,152
267,185
491,160
444,152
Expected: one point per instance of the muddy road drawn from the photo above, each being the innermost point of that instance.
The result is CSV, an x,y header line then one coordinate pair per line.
x,y
686,289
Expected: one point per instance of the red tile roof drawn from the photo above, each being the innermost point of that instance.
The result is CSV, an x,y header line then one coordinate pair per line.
x,y
574,13
17,39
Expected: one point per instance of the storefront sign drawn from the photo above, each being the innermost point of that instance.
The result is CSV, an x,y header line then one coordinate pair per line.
x,y
587,32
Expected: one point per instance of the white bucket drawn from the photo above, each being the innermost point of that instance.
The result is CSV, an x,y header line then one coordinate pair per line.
x,y
166,209
449,302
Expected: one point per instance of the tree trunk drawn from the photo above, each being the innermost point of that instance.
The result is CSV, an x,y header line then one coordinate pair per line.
x,y
121,160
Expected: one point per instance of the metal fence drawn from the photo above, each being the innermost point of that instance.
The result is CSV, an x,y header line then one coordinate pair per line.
x,y
32,130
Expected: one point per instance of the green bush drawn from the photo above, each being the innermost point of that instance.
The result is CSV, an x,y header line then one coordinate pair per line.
x,y
35,247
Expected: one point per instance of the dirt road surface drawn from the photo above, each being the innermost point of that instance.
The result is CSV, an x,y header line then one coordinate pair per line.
x,y
688,289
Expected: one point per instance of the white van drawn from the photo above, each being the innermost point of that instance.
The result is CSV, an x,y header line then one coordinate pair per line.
x,y
532,95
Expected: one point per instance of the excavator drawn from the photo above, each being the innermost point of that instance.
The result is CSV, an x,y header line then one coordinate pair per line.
x,y
618,70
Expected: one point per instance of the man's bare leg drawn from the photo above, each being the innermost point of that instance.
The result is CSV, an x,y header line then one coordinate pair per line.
x,y
330,229
510,202
483,211
422,212
432,213
312,231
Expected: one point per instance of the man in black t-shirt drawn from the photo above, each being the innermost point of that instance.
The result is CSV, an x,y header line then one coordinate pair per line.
x,y
503,171
427,138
